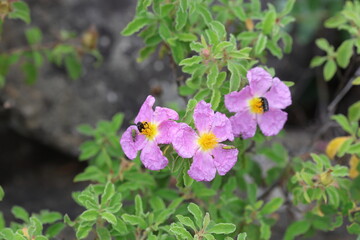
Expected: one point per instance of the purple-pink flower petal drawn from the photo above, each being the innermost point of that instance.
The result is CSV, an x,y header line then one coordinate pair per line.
x,y
132,141
221,127
244,124
146,111
162,114
167,130
259,81
279,95
152,157
202,168
203,115
224,159
184,141
272,122
238,101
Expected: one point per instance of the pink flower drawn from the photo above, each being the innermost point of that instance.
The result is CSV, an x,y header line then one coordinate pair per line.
x,y
260,102
152,128
208,153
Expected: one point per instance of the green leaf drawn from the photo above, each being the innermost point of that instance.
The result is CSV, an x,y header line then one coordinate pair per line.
x,y
329,70
186,221
235,79
220,79
183,5
354,149
2,193
196,46
190,61
89,215
344,53
30,72
265,231
180,231
317,61
33,35
288,83
135,25
108,193
20,10
103,233
20,213
219,28
91,173
206,220
335,21
157,203
354,228
354,111
212,76
239,13
186,91
222,228
41,238
260,44
178,52
269,21
323,44
215,99
83,230
50,217
343,122
134,220
274,49
181,19
35,227
333,196
187,37
356,81
242,236
204,12
272,206
54,229
197,213
2,81
251,192
73,66
120,226
202,94
109,217
88,150
288,41
296,229
208,236
288,7
138,205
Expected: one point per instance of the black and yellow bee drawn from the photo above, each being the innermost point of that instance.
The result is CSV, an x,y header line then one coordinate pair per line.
x,y
264,104
142,126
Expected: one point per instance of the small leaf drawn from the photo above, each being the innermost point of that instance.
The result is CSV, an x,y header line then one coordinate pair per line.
x,y
2,193
134,220
186,221
197,213
329,70
180,231
323,44
354,110
103,233
235,79
215,99
190,61
109,217
33,35
187,37
343,122
260,44
83,231
181,19
296,229
138,206
222,228
135,25
54,229
212,76
108,193
356,81
272,206
241,236
89,215
344,53
73,66
317,61
20,213
269,21
20,10
205,13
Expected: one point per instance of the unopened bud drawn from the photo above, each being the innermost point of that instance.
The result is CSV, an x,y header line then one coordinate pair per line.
x,y
205,52
90,38
326,178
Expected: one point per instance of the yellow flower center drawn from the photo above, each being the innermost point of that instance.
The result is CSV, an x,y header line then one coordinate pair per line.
x,y
207,141
148,129
258,105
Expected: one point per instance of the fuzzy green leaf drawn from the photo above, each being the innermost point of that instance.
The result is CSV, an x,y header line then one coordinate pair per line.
x,y
109,217
20,10
89,215
197,213
212,76
135,25
186,221
354,112
222,228
296,229
135,220
317,61
260,44
215,99
20,213
235,79
269,22
329,70
344,53
33,35
272,206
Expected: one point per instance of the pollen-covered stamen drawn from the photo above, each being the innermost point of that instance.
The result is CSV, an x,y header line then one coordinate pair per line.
x,y
148,129
259,105
207,141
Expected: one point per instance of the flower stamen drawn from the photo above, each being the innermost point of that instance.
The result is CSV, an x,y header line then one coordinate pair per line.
x,y
207,141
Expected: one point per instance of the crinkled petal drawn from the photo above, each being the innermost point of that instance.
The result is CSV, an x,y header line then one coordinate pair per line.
x,y
185,141
272,122
238,101
167,130
162,114
202,168
259,80
203,116
279,95
224,158
132,141
152,157
244,124
221,127
146,112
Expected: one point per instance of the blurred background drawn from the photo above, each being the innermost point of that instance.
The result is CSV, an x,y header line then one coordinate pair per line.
x,y
38,138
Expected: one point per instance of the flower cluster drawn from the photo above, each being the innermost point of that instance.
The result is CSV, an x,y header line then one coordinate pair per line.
x,y
258,103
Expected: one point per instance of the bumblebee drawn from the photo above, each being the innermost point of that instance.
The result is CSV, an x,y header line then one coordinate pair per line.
x,y
141,126
264,104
